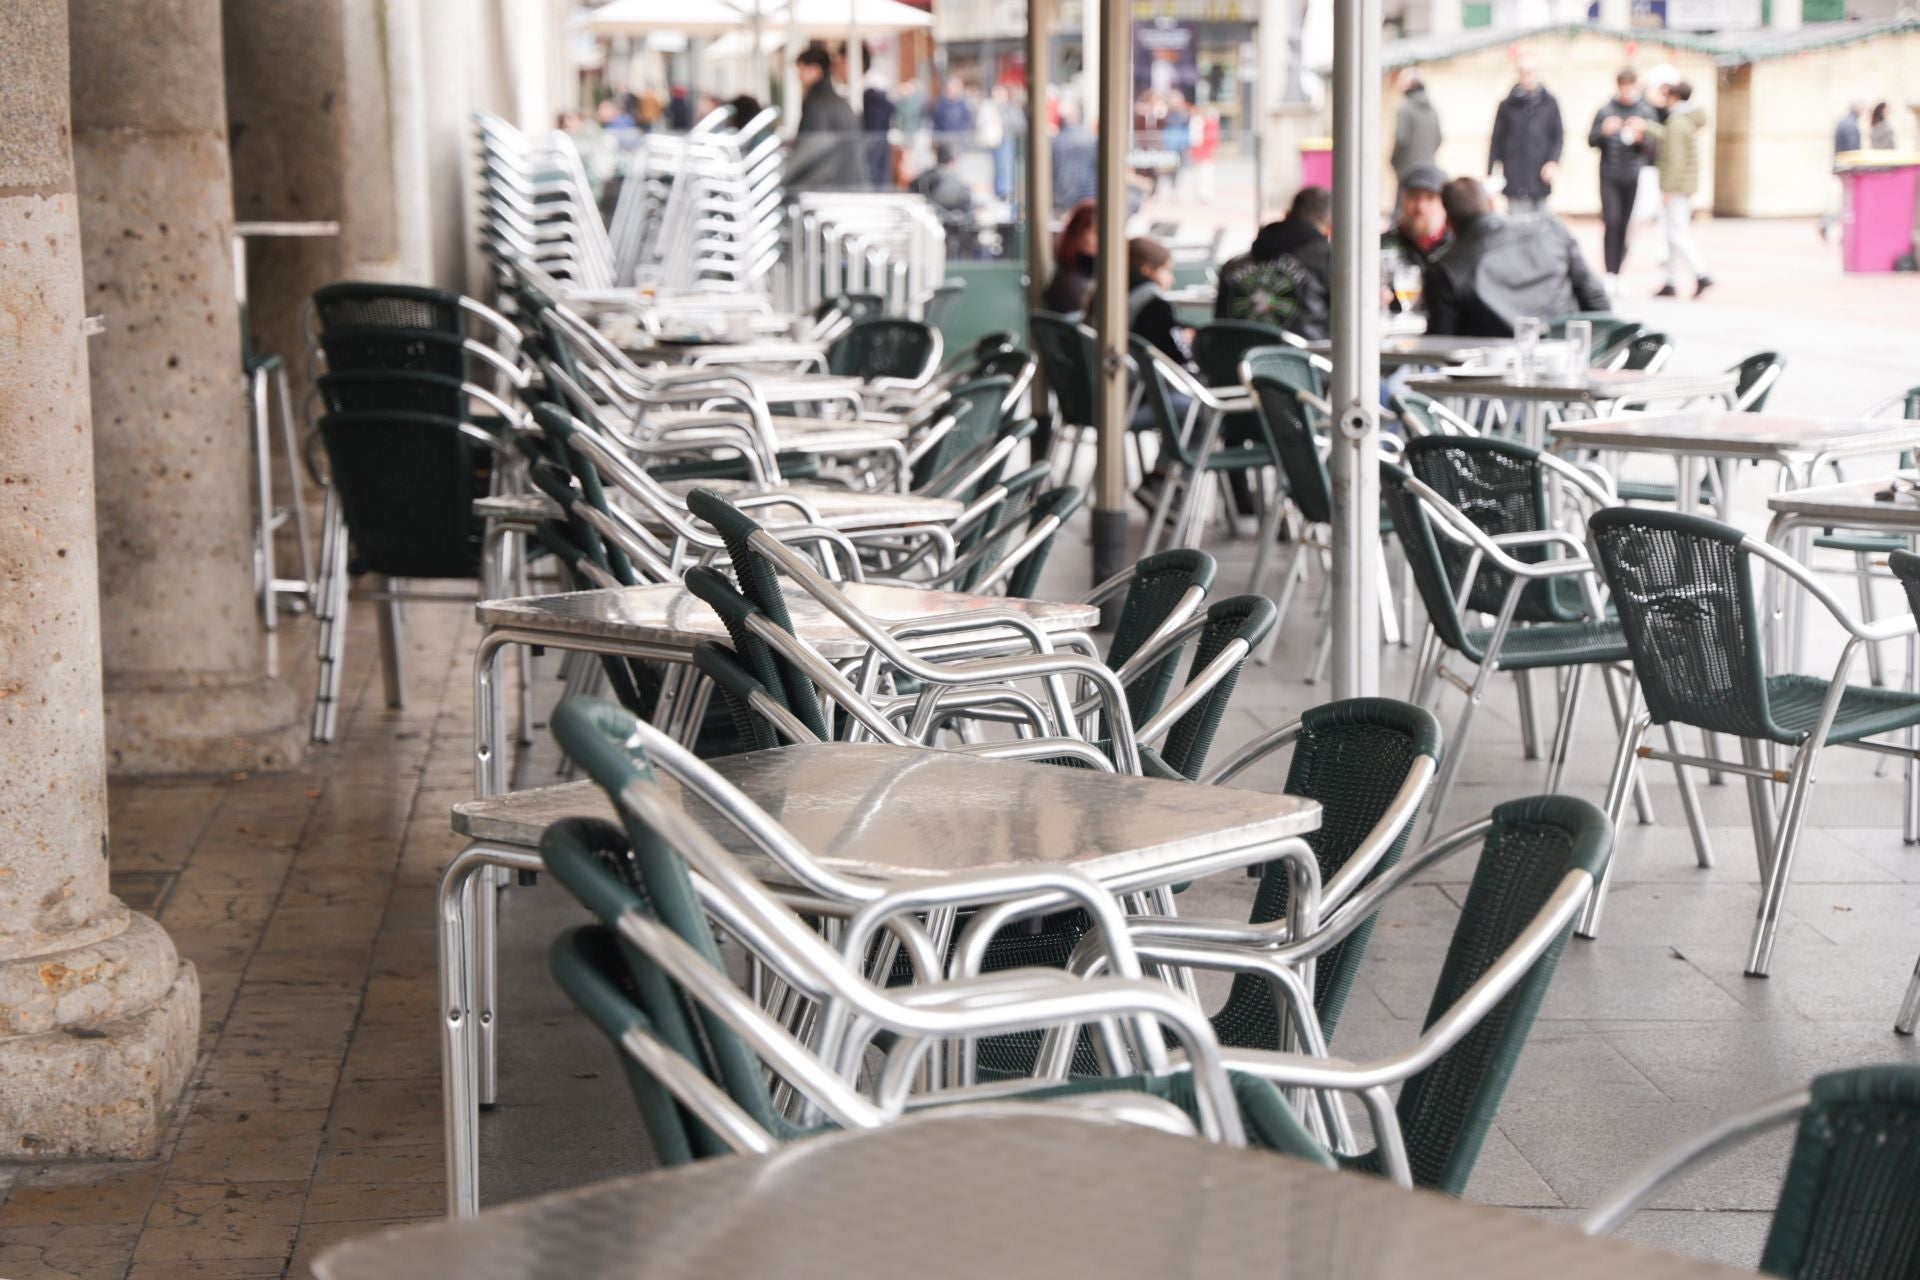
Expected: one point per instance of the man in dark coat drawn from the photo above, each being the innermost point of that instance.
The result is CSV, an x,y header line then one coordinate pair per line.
x,y
1499,269
1527,137
1625,145
1285,279
826,154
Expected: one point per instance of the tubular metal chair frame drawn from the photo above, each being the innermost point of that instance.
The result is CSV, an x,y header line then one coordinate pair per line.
x,y
1776,834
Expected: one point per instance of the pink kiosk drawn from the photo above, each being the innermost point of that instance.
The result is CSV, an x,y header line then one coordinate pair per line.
x,y
1877,206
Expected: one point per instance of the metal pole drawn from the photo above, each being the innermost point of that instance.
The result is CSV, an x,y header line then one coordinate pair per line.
x,y
1110,322
1356,348
1039,219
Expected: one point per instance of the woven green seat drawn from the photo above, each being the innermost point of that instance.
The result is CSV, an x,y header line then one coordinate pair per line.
x,y
615,872
1850,1206
884,347
1552,644
941,306
1447,1110
354,305
1067,362
388,350
1863,543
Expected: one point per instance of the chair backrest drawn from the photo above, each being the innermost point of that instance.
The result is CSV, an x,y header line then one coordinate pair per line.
x,y
406,483
1647,351
381,390
392,350
738,689
1689,609
1308,483
1609,337
1353,756
1446,1111
1906,567
355,305
1421,546
1220,346
760,584
854,306
1501,486
945,301
1157,398
1156,588
1246,619
1067,360
976,408
1754,378
884,347
587,963
1849,1205
558,426
1057,505
1292,365
1011,363
1424,416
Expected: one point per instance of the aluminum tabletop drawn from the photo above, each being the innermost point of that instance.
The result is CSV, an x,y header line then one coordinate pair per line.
x,y
959,1197
1855,504
1598,386
1768,436
891,813
670,618
837,508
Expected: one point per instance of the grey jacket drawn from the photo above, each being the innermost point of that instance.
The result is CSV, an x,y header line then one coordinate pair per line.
x,y
1499,269
1416,132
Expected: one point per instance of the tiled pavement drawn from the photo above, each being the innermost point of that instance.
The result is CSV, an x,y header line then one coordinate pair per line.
x,y
306,901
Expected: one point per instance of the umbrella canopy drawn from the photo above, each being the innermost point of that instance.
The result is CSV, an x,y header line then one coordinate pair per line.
x,y
833,17
689,17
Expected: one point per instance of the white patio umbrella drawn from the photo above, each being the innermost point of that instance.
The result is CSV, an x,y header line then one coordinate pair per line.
x,y
690,17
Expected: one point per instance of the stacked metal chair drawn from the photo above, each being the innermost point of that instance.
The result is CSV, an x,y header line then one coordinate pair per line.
x,y
701,210
537,205
890,244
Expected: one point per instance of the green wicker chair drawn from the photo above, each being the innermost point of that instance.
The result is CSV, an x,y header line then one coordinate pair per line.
x,y
1850,1204
1159,381
637,883
1422,415
1645,352
1690,609
944,303
1754,379
1864,545
1502,486
886,347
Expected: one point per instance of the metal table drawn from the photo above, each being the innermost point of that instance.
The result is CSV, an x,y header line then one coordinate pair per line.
x,y
1852,504
845,509
1800,446
878,812
961,1196
812,435
1595,388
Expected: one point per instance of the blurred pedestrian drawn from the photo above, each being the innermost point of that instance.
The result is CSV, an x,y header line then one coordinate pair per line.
x,y
951,114
876,119
1176,135
679,109
1527,137
1203,153
1416,126
1076,159
1846,134
1619,134
1678,140
1880,129
949,193
824,155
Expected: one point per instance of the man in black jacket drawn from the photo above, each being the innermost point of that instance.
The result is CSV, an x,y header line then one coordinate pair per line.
x,y
1527,136
1620,134
1499,269
827,154
1285,278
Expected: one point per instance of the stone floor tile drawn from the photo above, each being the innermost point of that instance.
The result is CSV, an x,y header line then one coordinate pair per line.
x,y
204,1221
210,1269
81,1195
249,1146
420,1162
66,1253
379,1113
331,1201
402,1050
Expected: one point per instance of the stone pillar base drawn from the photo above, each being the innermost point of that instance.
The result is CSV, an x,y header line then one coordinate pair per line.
x,y
101,1089
168,728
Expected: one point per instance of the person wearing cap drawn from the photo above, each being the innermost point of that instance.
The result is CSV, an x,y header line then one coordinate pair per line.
x,y
1419,229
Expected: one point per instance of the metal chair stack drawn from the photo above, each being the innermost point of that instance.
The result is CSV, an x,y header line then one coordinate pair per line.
x,y
701,209
865,242
537,206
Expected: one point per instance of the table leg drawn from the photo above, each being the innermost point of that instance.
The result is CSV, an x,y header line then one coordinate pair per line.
x,y
489,735
1534,418
1910,830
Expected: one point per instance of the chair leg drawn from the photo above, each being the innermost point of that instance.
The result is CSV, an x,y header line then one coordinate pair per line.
x,y
1271,506
296,490
263,562
391,645
1626,762
1642,798
1322,652
1773,893
1760,808
1457,745
1910,1006
1563,729
1161,521
1424,667
1529,724
1296,570
1863,574
1690,803
1389,620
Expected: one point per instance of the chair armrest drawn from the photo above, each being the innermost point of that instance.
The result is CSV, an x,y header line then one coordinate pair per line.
x,y
1632,1195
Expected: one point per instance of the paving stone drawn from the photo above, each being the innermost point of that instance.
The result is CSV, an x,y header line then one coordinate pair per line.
x,y
204,1221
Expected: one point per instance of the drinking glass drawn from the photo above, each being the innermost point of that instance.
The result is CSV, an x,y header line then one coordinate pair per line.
x,y
1579,347
1527,331
1407,285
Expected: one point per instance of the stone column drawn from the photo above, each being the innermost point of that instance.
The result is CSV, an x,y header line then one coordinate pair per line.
x,y
99,1021
186,682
